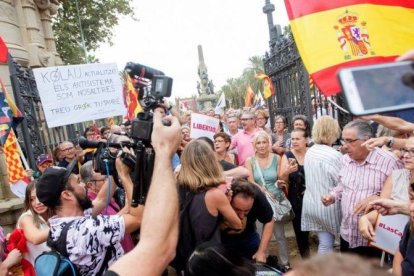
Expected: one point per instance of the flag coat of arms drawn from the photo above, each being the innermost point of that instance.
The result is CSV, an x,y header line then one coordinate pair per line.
x,y
331,35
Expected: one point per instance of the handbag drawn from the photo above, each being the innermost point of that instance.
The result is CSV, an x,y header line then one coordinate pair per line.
x,y
282,209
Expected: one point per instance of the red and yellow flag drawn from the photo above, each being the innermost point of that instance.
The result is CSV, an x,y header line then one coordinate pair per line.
x,y
249,96
331,35
14,165
268,89
131,98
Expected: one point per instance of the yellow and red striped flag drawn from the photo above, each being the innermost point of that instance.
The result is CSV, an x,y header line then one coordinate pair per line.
x,y
14,165
268,89
331,35
248,97
131,98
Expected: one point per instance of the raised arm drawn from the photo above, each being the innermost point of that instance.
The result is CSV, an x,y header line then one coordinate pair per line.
x,y
159,230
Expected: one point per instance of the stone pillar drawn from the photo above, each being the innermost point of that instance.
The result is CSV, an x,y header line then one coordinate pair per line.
x,y
25,26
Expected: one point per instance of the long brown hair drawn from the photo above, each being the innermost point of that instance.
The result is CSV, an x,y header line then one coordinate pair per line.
x,y
199,167
38,219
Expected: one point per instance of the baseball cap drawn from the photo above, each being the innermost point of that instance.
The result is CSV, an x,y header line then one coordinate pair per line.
x,y
43,158
52,183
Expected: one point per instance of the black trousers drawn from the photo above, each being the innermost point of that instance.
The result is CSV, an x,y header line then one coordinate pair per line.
x,y
363,251
302,237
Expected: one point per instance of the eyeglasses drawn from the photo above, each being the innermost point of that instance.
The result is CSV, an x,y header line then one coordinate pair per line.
x,y
70,148
261,118
348,141
245,119
279,123
219,141
409,151
97,180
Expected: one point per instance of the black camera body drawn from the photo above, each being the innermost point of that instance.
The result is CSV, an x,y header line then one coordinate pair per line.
x,y
150,97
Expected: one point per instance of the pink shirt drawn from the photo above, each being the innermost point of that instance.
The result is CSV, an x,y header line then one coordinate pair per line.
x,y
127,243
243,142
357,182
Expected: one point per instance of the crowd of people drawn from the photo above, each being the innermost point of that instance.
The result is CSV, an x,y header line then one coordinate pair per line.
x,y
214,205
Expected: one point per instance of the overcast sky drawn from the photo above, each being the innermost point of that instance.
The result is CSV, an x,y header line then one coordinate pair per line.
x,y
167,33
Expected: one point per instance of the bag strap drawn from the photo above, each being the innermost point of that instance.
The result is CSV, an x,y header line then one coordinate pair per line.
x,y
259,170
60,244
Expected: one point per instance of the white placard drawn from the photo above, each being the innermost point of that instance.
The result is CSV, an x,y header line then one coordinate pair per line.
x,y
388,232
203,126
77,93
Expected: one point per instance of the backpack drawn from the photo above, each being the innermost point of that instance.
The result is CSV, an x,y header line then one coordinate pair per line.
x,y
186,239
56,262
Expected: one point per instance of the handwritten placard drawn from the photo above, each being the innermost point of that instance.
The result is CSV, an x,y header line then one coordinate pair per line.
x,y
388,232
77,93
203,126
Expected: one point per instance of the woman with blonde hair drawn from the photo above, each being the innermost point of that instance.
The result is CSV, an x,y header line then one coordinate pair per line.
x,y
264,169
199,179
322,164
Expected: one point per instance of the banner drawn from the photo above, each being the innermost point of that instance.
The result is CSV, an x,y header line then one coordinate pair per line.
x,y
388,232
331,35
203,126
78,93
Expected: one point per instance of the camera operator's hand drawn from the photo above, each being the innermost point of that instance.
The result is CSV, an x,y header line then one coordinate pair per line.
x,y
165,139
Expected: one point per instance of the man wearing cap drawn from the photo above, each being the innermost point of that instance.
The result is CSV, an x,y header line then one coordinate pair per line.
x,y
90,237
43,162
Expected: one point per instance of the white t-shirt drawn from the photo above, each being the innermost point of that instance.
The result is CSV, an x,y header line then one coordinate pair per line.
x,y
33,250
88,239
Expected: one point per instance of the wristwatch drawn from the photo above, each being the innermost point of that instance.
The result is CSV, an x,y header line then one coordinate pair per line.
x,y
390,141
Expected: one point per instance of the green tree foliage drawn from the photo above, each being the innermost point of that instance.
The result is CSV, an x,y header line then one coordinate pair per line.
x,y
98,18
235,88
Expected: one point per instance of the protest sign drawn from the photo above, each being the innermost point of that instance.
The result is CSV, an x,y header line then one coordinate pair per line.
x,y
388,232
77,93
203,126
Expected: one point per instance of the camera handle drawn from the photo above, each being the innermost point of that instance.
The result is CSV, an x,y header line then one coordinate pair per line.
x,y
144,166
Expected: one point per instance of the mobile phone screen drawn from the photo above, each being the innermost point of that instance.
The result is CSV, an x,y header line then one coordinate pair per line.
x,y
384,87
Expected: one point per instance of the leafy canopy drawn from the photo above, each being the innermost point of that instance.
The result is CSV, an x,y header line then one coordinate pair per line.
x,y
98,18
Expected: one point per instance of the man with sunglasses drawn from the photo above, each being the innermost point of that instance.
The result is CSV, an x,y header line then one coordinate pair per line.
x,y
361,179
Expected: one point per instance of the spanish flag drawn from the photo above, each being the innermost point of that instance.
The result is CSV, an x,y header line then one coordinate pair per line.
x,y
131,98
249,96
268,89
3,51
331,35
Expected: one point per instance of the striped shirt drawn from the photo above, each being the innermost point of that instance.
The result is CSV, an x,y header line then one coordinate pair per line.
x,y
322,165
357,182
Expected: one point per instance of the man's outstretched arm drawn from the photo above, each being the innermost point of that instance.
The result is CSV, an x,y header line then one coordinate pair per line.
x,y
159,229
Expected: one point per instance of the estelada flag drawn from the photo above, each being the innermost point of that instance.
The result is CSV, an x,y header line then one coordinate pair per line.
x,y
249,96
268,89
10,115
331,35
131,98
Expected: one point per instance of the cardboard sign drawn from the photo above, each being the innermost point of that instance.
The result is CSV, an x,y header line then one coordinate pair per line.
x,y
203,126
78,93
388,232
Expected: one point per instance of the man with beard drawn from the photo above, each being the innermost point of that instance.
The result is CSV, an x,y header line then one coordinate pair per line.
x,y
93,241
